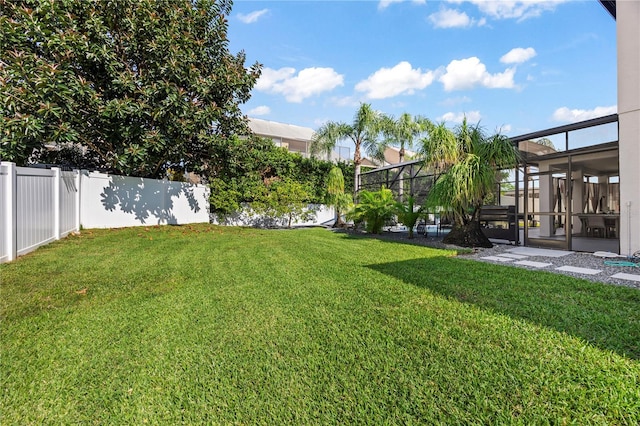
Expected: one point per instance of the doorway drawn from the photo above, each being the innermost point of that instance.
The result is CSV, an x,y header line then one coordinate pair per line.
x,y
547,210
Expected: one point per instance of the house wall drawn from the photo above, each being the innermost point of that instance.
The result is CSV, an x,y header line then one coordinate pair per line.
x,y
628,35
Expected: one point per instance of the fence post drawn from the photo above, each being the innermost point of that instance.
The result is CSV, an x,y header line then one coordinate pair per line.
x,y
10,226
56,202
78,178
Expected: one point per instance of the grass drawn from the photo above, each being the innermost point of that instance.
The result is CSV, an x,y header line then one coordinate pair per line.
x,y
209,325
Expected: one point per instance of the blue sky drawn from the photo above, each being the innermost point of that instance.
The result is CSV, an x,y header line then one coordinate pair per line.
x,y
512,66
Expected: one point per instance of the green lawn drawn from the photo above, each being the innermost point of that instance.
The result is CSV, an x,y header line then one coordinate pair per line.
x,y
210,325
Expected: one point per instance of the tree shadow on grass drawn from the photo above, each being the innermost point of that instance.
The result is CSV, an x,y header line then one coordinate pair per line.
x,y
607,316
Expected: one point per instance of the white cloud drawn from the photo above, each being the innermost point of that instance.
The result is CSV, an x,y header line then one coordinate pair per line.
x,y
250,18
515,9
469,73
451,18
451,102
345,101
473,117
518,55
260,110
504,129
389,82
567,115
383,4
296,88
269,77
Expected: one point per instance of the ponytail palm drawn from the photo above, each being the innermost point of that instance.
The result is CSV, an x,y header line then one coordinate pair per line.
x,y
469,162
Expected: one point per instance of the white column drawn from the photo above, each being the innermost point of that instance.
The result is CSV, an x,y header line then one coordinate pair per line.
x,y
628,35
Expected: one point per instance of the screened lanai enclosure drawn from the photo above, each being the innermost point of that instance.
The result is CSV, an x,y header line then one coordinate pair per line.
x,y
565,193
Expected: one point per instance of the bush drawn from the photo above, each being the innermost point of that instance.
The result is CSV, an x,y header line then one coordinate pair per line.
x,y
242,168
375,208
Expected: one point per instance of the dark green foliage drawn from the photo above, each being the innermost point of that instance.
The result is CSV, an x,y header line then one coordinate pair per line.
x,y
282,198
240,169
131,86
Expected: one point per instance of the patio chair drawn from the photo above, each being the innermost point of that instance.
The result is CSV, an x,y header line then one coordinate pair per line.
x,y
595,224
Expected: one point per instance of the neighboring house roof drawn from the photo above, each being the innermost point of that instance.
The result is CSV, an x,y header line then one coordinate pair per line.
x,y
391,156
294,138
280,130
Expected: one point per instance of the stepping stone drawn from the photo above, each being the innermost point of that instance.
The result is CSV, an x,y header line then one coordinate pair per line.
x,y
533,264
513,256
585,271
630,277
497,259
532,251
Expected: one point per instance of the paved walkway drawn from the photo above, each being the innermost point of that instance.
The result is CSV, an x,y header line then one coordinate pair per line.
x,y
614,270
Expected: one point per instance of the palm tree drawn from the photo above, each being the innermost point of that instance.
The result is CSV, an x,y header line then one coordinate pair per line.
x,y
363,132
408,215
468,161
402,132
374,209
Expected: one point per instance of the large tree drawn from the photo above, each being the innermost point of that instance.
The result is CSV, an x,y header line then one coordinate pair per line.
x,y
469,162
364,132
128,86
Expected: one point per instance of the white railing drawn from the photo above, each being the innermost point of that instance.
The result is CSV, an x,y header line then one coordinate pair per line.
x,y
38,206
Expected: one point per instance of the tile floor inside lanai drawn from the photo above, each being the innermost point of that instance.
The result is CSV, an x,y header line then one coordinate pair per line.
x,y
584,265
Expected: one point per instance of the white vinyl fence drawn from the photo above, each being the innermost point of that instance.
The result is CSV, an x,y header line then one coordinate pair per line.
x,y
38,206
318,215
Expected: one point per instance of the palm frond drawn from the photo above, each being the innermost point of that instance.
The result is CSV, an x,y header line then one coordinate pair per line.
x,y
440,147
327,137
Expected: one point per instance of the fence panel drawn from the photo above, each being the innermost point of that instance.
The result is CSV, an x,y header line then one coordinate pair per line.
x,y
111,201
35,209
68,202
38,206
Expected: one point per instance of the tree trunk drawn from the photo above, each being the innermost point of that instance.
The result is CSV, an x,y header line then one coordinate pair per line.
x,y
356,178
467,235
400,179
339,223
